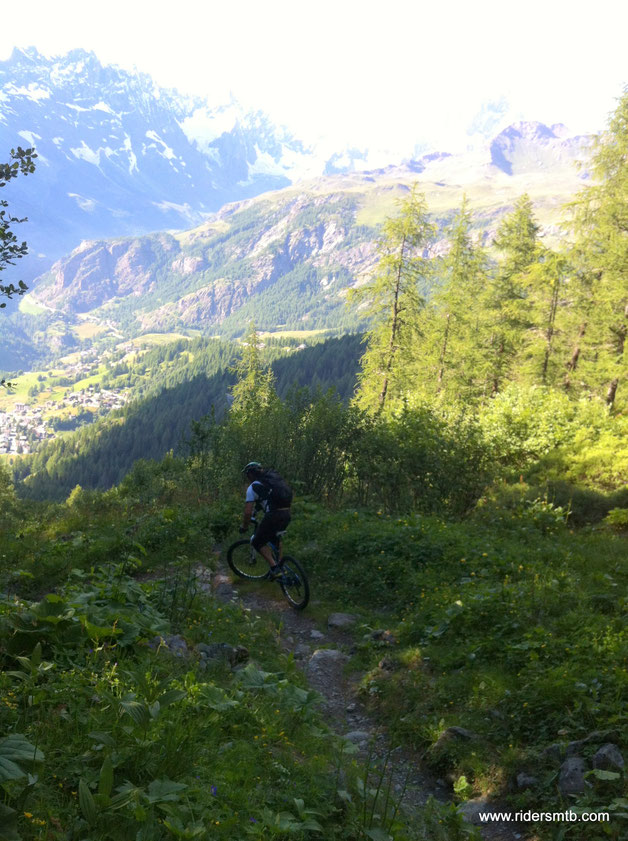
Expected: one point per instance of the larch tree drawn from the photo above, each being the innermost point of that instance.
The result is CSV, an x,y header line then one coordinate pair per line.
x,y
545,285
449,349
393,300
507,307
600,254
254,389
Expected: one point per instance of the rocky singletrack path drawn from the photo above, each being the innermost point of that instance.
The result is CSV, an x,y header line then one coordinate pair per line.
x,y
324,657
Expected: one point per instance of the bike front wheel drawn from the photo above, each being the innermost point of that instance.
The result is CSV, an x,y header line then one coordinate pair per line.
x,y
294,583
245,561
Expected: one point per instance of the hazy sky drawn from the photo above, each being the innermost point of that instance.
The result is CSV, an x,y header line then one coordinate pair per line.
x,y
384,73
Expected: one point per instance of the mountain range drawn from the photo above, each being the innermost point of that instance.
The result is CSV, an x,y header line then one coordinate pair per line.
x,y
162,212
119,155
286,258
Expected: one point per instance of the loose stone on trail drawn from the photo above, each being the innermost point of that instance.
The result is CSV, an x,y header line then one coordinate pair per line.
x,y
341,620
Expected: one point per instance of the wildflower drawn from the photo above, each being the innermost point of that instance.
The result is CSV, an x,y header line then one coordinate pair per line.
x,y
28,815
214,790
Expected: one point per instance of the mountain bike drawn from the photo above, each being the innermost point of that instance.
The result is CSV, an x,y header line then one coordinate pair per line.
x,y
247,563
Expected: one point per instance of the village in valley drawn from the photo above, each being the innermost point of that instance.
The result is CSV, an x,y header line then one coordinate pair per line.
x,y
24,426
40,406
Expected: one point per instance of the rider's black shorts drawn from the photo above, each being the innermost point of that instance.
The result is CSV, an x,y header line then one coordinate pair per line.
x,y
273,522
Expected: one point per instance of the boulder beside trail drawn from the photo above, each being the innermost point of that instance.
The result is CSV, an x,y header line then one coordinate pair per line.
x,y
452,734
341,620
571,777
173,643
608,758
526,781
471,810
222,652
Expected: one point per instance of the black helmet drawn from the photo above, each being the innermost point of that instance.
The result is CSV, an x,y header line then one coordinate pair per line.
x,y
252,467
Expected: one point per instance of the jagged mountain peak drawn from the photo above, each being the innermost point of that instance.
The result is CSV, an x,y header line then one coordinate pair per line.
x,y
119,155
527,128
532,145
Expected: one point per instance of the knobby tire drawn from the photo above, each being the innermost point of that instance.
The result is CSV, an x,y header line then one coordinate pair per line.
x,y
246,564
294,583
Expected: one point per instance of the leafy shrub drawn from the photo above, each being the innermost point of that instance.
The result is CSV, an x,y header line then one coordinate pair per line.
x,y
617,519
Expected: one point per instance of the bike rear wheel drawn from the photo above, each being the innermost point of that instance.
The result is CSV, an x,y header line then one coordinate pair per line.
x,y
246,562
294,583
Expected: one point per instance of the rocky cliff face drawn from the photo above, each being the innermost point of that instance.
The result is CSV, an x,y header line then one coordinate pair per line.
x,y
281,248
99,271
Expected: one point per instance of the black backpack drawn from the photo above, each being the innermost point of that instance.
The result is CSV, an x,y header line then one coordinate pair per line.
x,y
280,495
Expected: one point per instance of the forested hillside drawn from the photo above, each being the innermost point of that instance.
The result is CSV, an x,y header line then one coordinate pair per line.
x,y
175,385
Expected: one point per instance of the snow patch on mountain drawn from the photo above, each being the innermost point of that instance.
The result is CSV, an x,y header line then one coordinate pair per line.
x,y
206,124
264,164
84,153
32,92
29,136
170,205
128,148
102,106
167,151
85,204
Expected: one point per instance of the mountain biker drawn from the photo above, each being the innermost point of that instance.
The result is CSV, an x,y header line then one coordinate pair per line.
x,y
267,490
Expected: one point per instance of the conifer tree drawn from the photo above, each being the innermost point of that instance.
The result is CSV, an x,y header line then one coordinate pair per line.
x,y
22,162
600,254
545,285
507,308
449,349
393,300
255,387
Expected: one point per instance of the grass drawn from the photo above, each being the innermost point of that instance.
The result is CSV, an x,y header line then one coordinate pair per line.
x,y
294,334
146,744
513,628
88,329
155,339
29,306
379,202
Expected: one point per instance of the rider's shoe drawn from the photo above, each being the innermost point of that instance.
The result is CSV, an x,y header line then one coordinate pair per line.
x,y
276,572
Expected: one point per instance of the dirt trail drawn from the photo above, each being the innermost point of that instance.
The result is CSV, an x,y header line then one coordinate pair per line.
x,y
324,657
